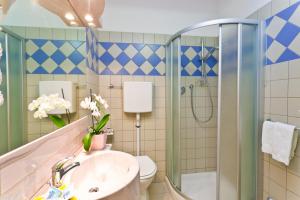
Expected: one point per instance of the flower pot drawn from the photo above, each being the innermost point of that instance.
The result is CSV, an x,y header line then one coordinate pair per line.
x,y
99,142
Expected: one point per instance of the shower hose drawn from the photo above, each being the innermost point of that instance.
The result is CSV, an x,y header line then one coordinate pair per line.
x,y
193,108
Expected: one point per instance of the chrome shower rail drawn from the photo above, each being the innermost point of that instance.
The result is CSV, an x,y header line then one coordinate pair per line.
x,y
211,23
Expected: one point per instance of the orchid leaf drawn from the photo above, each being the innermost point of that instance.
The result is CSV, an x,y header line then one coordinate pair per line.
x,y
87,141
102,123
58,121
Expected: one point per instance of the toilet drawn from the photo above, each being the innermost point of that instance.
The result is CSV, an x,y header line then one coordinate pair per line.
x,y
148,170
137,98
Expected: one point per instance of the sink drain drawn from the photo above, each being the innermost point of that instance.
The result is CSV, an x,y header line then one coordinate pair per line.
x,y
94,189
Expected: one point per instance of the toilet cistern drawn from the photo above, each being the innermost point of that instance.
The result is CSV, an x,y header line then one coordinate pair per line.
x,y
137,98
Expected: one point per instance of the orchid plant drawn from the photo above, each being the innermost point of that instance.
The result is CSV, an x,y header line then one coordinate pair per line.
x,y
98,108
45,104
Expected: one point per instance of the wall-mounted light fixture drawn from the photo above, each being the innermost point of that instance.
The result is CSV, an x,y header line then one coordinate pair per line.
x,y
76,12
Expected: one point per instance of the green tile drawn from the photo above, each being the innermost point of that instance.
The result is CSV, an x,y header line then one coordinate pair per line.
x,y
46,33
71,34
58,34
32,33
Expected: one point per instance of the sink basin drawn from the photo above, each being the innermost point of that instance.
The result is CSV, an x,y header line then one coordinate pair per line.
x,y
109,175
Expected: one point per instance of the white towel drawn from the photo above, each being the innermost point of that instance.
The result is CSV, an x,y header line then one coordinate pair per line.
x,y
267,136
279,140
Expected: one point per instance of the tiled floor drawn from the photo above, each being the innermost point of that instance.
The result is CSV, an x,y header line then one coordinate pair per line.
x,y
159,191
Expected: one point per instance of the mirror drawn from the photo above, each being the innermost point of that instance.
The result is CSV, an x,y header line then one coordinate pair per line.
x,y
41,55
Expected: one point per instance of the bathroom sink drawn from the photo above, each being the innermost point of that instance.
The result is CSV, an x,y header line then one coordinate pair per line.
x,y
105,175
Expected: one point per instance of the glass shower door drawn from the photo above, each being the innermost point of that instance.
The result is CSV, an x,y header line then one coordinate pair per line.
x,y
12,87
16,96
173,71
4,107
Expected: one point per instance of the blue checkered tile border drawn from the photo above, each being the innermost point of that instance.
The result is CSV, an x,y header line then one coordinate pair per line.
x,y
191,61
282,35
131,59
149,59
92,50
55,56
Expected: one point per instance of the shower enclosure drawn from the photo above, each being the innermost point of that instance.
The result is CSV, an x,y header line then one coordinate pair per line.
x,y
12,87
214,110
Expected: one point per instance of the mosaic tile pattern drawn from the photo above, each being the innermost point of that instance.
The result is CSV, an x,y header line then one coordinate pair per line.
x,y
92,50
149,59
191,61
55,56
131,59
282,35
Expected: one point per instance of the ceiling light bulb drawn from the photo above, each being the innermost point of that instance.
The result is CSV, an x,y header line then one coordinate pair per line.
x,y
91,24
73,23
69,16
88,18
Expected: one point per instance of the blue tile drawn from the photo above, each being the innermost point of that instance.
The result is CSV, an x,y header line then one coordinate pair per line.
x,y
154,47
76,70
154,72
123,71
211,61
197,73
138,59
197,49
139,72
58,57
268,21
76,44
269,41
40,70
40,56
27,56
122,46
138,47
58,43
58,70
154,60
39,42
184,48
76,57
196,61
106,58
209,48
211,73
106,45
287,34
287,13
123,59
287,55
268,61
184,73
184,60
106,71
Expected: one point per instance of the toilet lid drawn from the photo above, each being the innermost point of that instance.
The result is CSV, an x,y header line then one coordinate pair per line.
x,y
147,166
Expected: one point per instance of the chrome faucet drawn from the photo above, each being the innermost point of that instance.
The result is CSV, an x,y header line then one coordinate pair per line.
x,y
58,170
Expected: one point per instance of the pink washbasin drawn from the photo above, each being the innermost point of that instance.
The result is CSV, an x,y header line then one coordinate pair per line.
x,y
103,174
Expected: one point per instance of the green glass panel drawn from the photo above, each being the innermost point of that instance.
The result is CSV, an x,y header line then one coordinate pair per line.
x,y
15,63
4,107
176,69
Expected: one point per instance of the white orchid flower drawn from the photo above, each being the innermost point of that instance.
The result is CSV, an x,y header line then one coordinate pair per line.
x,y
1,99
40,114
45,104
85,104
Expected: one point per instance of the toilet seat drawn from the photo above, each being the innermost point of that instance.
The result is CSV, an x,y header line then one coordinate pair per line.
x,y
147,167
